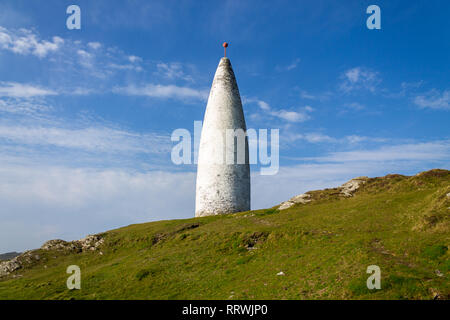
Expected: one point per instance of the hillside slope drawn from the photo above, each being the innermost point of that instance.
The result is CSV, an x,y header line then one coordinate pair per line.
x,y
315,249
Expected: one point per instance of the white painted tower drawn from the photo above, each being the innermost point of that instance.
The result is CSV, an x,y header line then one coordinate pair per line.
x,y
223,187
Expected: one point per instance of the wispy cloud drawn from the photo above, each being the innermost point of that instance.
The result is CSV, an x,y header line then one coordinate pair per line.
x,y
434,99
99,139
305,95
294,64
26,42
359,78
77,59
173,70
299,115
24,107
412,85
18,90
293,116
319,96
318,138
94,45
164,92
426,151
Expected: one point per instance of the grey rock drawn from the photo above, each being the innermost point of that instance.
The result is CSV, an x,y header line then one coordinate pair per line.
x,y
301,198
348,188
89,243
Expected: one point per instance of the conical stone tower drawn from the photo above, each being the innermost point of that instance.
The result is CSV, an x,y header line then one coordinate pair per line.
x,y
223,186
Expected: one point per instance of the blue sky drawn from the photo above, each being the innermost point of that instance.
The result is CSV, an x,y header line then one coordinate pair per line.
x,y
86,115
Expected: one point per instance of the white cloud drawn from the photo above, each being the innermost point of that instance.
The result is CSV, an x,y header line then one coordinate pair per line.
x,y
305,95
292,116
25,42
94,45
24,106
434,100
172,70
85,58
427,151
80,91
318,138
164,91
134,59
359,78
18,90
291,66
95,59
84,54
299,115
93,139
412,85
263,105
125,67
315,137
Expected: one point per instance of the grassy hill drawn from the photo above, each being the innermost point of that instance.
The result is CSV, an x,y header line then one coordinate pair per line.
x,y
323,248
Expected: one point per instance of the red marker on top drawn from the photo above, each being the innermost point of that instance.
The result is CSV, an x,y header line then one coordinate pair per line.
x,y
225,46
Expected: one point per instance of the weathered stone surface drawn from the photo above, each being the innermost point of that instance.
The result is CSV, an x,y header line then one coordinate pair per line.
x,y
301,198
24,259
7,267
348,188
223,186
57,244
89,243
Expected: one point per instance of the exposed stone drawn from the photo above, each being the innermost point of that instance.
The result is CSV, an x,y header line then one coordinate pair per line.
x,y
89,243
348,188
301,198
57,244
7,267
281,273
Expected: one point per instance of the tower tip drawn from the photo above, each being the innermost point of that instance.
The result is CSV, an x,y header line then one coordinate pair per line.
x,y
225,46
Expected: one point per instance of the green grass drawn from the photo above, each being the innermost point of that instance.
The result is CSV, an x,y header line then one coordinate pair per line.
x,y
324,247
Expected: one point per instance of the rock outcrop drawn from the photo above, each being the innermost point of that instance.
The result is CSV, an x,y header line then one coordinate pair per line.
x,y
301,198
346,190
90,243
26,258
